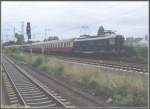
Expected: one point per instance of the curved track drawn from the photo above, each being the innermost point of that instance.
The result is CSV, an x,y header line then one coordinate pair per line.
x,y
129,67
23,89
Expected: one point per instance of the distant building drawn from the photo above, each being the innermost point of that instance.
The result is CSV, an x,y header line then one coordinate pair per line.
x,y
136,40
146,37
131,41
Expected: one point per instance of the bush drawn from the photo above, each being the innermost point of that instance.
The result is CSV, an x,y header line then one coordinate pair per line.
x,y
123,100
142,54
129,100
103,91
84,81
131,51
93,84
38,61
138,54
59,70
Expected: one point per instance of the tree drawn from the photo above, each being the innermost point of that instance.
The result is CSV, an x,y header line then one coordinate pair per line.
x,y
100,31
20,38
9,43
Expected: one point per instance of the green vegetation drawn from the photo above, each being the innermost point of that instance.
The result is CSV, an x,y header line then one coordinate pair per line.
x,y
38,61
125,89
20,38
137,54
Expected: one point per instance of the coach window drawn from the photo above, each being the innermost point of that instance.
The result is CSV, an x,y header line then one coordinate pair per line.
x,y
59,45
64,44
68,44
54,45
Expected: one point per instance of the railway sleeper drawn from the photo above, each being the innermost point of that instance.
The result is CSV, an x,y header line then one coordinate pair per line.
x,y
29,97
32,94
40,103
37,99
50,105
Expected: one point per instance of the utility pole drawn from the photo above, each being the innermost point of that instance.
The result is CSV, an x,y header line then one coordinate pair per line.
x,y
14,32
45,35
6,38
22,28
47,29
22,32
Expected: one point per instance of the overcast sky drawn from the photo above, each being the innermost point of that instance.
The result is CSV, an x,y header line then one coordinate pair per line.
x,y
65,19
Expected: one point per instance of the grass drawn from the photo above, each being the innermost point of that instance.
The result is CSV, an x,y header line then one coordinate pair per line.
x,y
125,89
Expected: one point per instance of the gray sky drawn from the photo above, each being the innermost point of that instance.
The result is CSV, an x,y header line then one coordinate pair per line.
x,y
64,19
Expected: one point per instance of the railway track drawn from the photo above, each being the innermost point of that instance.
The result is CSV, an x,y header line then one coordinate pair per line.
x,y
115,65
23,89
129,67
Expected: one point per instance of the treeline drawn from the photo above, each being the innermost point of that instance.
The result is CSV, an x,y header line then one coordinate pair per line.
x,y
138,54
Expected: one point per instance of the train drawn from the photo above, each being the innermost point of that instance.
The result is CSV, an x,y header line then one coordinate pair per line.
x,y
105,43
